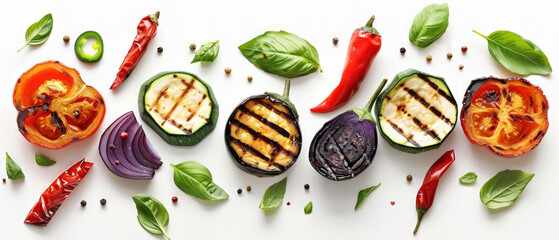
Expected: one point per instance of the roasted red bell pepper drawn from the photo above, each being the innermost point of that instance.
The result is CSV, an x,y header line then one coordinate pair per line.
x,y
507,116
55,107
426,193
147,29
363,48
53,197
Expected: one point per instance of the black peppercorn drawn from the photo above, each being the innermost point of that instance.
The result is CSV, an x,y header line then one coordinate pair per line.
x,y
402,50
103,201
239,191
160,49
307,186
83,203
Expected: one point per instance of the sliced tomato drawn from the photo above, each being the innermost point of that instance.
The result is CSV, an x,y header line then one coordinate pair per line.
x,y
508,116
55,107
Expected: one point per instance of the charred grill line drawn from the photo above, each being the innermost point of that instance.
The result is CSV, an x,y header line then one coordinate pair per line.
x,y
285,115
423,102
345,159
193,113
401,132
248,148
436,87
425,129
183,94
265,121
57,122
258,135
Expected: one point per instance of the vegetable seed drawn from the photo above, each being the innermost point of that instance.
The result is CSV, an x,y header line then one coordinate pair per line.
x,y
160,49
192,47
429,58
66,38
83,203
402,50
335,41
227,70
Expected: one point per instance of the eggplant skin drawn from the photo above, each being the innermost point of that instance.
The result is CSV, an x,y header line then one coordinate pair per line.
x,y
179,140
263,144
343,147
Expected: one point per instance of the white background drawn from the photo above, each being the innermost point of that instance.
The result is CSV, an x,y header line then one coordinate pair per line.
x,y
457,212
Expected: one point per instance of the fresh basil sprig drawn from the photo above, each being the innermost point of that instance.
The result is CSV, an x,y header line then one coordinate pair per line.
x,y
196,180
274,195
282,53
43,160
517,54
38,32
504,188
152,215
207,52
364,194
308,208
429,25
12,169
468,178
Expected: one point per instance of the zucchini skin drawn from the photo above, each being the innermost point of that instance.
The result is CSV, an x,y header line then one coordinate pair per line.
x,y
247,167
378,105
174,139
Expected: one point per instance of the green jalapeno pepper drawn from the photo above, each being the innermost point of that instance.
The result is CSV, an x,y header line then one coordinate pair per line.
x,y
97,45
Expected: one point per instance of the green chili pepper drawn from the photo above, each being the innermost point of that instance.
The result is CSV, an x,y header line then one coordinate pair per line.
x,y
97,45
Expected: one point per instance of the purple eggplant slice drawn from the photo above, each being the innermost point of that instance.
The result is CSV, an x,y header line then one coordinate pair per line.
x,y
263,134
346,145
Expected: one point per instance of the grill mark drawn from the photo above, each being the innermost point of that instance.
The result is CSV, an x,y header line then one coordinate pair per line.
x,y
193,113
183,94
57,122
401,132
160,95
436,87
423,102
538,135
425,129
258,135
248,148
265,121
346,158
277,111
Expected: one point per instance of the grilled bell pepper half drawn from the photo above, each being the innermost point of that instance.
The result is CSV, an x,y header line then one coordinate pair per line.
x,y
507,116
179,106
416,112
263,134
346,145
55,107
97,46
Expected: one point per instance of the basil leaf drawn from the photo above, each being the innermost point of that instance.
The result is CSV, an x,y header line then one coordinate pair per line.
x,y
12,169
282,53
274,195
429,25
207,52
504,188
43,160
38,32
517,54
364,194
195,180
152,215
468,178
308,208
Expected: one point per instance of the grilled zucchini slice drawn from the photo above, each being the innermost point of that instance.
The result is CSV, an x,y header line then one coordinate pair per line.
x,y
263,135
179,106
416,112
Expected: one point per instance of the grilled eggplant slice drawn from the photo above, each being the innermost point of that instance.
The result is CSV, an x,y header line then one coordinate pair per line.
x,y
416,112
179,106
263,134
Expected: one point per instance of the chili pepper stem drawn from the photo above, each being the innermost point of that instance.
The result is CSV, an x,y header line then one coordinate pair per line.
x,y
155,17
370,22
371,102
286,88
420,213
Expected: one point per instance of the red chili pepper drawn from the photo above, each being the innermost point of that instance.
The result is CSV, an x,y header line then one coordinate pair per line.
x,y
426,193
54,195
363,48
146,31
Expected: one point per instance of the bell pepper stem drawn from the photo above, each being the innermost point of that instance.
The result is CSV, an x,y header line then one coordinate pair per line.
x,y
286,88
371,102
370,22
